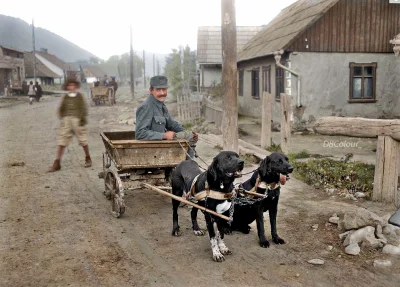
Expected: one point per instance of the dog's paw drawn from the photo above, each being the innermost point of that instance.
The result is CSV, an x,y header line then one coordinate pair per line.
x,y
278,240
175,231
225,251
227,230
245,229
218,257
264,244
198,232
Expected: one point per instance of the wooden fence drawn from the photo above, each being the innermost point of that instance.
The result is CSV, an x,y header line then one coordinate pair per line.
x,y
189,108
212,111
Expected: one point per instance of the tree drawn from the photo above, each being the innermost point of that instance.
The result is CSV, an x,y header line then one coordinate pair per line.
x,y
172,69
119,65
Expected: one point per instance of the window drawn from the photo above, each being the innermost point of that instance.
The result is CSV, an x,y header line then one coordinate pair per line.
x,y
362,82
241,74
279,84
266,79
255,83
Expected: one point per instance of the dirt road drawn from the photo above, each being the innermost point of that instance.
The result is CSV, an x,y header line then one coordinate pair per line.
x,y
56,229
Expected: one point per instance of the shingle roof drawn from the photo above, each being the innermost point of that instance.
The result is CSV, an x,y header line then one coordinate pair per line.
x,y
96,71
209,46
52,58
285,27
41,69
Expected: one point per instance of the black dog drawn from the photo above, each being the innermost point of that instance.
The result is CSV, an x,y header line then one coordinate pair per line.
x,y
266,177
219,178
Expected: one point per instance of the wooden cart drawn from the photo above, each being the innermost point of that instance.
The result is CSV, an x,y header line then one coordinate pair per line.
x,y
126,158
102,94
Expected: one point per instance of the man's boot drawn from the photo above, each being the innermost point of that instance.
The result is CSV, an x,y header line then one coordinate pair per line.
x,y
88,161
56,166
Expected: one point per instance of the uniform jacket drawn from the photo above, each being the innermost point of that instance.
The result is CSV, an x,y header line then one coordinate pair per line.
x,y
153,120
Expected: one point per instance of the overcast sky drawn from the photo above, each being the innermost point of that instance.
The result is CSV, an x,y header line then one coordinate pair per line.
x,y
102,28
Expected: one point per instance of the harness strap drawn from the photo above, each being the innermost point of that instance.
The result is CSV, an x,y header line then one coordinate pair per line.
x,y
262,184
214,195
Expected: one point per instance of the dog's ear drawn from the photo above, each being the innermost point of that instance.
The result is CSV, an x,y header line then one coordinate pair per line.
x,y
213,168
265,166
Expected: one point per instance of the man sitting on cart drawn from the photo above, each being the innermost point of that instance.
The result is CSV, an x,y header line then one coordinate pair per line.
x,y
154,122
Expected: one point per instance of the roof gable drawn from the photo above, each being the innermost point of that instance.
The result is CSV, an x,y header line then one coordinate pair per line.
x,y
209,42
285,27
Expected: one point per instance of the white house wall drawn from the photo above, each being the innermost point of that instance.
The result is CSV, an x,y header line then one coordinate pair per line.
x,y
210,75
325,80
57,70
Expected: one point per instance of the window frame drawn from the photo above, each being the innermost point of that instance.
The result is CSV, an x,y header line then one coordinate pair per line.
x,y
353,65
241,82
253,71
266,79
279,88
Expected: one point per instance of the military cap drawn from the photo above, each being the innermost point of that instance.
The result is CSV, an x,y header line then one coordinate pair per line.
x,y
160,82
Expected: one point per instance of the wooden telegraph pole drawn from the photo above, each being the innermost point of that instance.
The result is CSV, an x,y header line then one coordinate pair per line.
x,y
34,51
132,71
229,76
154,64
144,70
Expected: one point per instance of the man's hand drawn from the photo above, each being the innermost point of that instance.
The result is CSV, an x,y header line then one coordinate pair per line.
x,y
282,179
169,135
195,136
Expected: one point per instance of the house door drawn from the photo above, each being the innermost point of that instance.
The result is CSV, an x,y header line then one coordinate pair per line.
x,y
266,79
2,78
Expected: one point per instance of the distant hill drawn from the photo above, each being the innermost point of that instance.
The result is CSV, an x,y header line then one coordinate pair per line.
x,y
16,33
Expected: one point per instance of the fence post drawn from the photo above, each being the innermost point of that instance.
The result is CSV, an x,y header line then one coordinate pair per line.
x,y
387,171
285,123
266,118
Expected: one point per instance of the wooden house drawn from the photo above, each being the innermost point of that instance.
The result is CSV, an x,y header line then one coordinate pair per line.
x,y
332,57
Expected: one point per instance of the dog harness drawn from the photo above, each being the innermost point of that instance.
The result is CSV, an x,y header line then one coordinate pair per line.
x,y
264,185
208,193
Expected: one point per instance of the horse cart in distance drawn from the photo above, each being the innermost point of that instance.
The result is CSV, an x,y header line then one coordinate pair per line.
x,y
102,94
129,163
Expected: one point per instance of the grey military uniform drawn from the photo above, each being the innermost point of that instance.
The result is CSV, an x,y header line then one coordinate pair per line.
x,y
153,120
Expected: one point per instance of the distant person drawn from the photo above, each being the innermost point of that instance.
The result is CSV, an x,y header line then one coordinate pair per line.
x,y
114,84
25,88
73,114
39,91
105,81
31,92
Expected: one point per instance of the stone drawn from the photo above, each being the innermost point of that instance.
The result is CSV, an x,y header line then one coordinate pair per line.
x,y
316,261
359,235
329,247
359,195
370,242
353,249
131,122
343,236
382,263
330,191
315,226
390,249
334,220
102,121
359,218
389,232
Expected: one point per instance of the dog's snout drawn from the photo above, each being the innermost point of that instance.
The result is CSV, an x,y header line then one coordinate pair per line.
x,y
241,163
290,169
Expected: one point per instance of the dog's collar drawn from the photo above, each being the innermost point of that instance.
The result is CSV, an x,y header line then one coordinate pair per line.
x,y
264,185
208,193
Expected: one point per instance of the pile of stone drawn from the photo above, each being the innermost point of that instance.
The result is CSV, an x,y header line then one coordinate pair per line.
x,y
366,230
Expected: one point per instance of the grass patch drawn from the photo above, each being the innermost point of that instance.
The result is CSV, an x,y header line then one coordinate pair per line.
x,y
218,147
274,147
249,159
349,177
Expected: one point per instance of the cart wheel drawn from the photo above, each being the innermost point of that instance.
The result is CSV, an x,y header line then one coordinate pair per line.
x,y
112,192
110,102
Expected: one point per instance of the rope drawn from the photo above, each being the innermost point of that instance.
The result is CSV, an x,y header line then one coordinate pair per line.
x,y
195,153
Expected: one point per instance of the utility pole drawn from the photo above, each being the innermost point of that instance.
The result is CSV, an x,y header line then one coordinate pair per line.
x,y
154,64
132,71
144,69
230,132
34,51
158,67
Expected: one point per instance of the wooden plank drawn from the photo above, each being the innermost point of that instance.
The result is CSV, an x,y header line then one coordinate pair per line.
x,y
390,171
342,22
357,27
379,168
286,114
266,118
371,128
367,32
179,198
373,30
335,28
363,23
348,40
